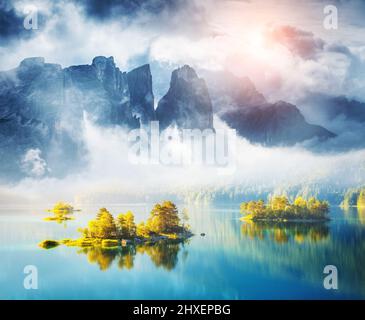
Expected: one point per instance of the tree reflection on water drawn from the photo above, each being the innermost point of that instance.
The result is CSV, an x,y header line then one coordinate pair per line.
x,y
162,254
283,232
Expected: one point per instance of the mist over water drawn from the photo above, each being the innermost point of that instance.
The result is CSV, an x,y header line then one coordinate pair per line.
x,y
109,170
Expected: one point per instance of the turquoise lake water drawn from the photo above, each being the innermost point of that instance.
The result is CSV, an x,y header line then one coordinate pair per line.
x,y
234,260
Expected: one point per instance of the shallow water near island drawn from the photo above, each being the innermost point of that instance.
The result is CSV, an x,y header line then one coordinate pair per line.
x,y
234,260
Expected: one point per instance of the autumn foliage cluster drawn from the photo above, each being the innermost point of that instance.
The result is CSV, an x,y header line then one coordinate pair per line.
x,y
164,219
280,208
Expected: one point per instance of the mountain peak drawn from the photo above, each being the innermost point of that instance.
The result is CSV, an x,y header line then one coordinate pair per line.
x,y
186,72
144,68
30,68
102,64
229,91
187,103
102,60
33,61
106,71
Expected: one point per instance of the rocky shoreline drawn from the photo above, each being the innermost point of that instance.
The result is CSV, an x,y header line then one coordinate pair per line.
x,y
115,243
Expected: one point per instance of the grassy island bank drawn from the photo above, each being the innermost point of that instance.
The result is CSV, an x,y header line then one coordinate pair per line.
x,y
164,224
280,209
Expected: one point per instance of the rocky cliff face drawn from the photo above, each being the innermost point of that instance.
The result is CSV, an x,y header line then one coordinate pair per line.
x,y
42,107
101,90
187,104
31,102
141,94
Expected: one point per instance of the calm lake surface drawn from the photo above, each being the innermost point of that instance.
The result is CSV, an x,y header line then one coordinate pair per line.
x,y
235,260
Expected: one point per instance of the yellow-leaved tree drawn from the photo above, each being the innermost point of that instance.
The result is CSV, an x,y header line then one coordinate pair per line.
x,y
126,225
142,230
361,199
164,218
300,202
103,227
279,203
255,208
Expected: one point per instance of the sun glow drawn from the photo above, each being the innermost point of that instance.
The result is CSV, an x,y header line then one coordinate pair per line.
x,y
264,50
256,43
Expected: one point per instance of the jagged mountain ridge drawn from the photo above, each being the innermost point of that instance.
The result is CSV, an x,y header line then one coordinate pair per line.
x,y
238,103
274,124
42,106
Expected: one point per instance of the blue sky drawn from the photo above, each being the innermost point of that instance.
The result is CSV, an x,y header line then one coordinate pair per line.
x,y
280,44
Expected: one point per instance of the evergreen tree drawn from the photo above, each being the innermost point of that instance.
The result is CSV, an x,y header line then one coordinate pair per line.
x,y
103,227
164,218
142,230
126,225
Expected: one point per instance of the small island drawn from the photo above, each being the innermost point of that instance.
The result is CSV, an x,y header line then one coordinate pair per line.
x,y
280,209
62,208
164,224
61,212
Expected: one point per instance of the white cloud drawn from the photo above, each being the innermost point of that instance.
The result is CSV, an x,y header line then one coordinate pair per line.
x,y
33,164
111,172
69,38
206,34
